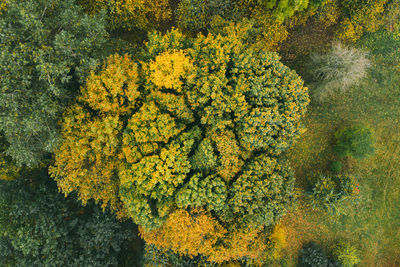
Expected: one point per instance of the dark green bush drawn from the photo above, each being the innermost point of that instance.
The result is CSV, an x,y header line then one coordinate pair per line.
x,y
312,255
356,141
336,167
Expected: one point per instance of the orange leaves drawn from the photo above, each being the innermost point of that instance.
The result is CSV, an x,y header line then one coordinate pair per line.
x,y
196,232
193,233
229,155
115,88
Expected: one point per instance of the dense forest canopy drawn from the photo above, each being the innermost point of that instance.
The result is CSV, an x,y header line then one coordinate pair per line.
x,y
199,132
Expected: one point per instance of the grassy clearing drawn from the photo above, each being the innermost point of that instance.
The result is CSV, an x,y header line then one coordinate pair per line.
x,y
373,222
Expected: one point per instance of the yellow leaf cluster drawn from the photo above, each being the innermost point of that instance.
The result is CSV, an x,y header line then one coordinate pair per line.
x,y
87,159
365,15
115,88
229,154
277,241
8,170
196,232
192,233
169,69
3,5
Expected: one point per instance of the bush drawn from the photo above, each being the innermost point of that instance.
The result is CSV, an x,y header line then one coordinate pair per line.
x,y
312,255
337,70
330,193
346,254
356,141
336,167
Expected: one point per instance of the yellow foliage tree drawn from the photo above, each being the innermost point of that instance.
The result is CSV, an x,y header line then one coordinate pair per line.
x,y
169,68
359,16
193,233
88,158
196,232
185,143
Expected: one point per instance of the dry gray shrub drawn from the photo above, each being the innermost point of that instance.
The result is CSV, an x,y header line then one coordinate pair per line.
x,y
337,70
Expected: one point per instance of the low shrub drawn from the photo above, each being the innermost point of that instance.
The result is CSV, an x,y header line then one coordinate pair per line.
x,y
330,193
312,255
336,167
346,254
356,141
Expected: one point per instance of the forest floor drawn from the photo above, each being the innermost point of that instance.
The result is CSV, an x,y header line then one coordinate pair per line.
x,y
372,223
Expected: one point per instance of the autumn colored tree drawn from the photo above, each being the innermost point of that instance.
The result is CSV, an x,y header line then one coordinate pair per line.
x,y
190,133
360,16
47,48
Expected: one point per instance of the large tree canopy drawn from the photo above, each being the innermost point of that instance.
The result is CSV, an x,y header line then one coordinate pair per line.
x,y
39,227
46,48
194,124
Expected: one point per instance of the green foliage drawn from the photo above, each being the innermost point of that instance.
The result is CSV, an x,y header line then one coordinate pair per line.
x,y
337,70
210,192
154,257
262,193
195,15
39,227
356,141
336,166
312,255
131,14
346,254
330,193
47,48
281,9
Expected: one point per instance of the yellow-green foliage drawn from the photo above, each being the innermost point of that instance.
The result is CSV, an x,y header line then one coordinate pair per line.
x,y
185,143
131,14
280,9
273,31
391,18
360,16
169,68
277,242
346,254
89,155
328,14
197,232
3,5
8,170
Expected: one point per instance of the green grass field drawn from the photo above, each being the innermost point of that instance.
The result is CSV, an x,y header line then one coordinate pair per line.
x,y
372,222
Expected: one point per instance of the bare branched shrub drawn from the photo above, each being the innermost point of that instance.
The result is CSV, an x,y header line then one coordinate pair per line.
x,y
337,70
